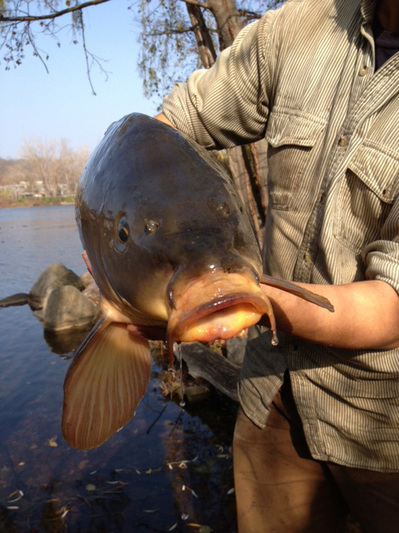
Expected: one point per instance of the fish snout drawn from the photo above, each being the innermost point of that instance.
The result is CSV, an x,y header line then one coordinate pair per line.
x,y
219,304
210,271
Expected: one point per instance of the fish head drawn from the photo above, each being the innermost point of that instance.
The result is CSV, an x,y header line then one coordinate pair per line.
x,y
169,244
164,229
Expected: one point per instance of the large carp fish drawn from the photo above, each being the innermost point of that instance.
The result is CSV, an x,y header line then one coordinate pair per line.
x,y
170,246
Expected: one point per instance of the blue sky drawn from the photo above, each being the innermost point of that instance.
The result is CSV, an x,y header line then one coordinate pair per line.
x,y
60,104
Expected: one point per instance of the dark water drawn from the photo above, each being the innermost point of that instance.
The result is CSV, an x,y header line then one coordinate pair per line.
x,y
170,469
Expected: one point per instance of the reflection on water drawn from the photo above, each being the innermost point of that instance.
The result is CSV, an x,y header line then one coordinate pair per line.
x,y
169,470
65,341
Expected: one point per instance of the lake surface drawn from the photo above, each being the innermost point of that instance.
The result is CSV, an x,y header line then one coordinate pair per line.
x,y
169,469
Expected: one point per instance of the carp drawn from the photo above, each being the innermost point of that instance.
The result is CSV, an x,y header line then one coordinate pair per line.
x,y
171,247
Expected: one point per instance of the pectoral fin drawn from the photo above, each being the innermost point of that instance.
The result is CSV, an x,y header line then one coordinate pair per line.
x,y
104,384
298,291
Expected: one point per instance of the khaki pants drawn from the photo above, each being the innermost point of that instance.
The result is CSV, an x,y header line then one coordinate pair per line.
x,y
281,489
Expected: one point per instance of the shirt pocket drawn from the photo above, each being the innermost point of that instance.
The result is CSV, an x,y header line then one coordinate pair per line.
x,y
365,196
290,138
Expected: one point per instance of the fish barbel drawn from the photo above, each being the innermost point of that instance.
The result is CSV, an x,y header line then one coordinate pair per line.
x,y
169,245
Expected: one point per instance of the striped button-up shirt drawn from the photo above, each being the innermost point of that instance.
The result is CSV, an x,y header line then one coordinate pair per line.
x,y
303,77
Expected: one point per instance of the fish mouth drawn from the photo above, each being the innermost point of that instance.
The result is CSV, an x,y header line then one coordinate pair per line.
x,y
217,307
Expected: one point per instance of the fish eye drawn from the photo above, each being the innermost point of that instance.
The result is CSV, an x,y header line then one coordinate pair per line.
x,y
123,233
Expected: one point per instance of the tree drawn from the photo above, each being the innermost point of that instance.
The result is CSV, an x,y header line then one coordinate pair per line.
x,y
52,168
21,21
170,37
180,36
177,37
175,43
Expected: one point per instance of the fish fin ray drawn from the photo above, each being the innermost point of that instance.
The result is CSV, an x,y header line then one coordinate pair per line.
x,y
305,294
104,384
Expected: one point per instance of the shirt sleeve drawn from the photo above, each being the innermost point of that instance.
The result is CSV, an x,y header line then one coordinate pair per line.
x,y
382,256
227,104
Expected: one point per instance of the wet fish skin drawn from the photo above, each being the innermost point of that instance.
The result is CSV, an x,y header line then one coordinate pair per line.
x,y
177,204
169,245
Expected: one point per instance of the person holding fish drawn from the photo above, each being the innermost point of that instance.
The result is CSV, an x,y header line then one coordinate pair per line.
x,y
317,436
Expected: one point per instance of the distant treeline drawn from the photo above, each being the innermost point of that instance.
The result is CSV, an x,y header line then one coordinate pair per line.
x,y
46,173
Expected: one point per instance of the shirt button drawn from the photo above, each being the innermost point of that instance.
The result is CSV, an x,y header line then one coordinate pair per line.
x,y
363,70
307,257
343,141
388,193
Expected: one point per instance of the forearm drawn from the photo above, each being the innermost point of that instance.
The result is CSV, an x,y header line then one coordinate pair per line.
x,y
366,315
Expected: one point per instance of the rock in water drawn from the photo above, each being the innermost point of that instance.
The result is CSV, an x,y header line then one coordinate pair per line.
x,y
16,299
55,275
67,308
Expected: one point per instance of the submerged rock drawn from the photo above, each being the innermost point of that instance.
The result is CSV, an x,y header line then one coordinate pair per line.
x,y
66,304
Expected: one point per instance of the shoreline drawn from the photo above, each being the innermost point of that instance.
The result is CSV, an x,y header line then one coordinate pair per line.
x,y
50,202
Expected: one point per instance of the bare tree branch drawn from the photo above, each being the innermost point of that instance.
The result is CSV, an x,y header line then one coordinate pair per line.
x,y
17,32
34,47
244,13
248,15
196,3
169,31
86,52
50,16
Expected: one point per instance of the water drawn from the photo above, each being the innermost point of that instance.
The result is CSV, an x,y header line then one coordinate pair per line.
x,y
170,469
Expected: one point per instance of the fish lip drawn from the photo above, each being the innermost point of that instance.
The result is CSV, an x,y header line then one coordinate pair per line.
x,y
237,290
179,321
